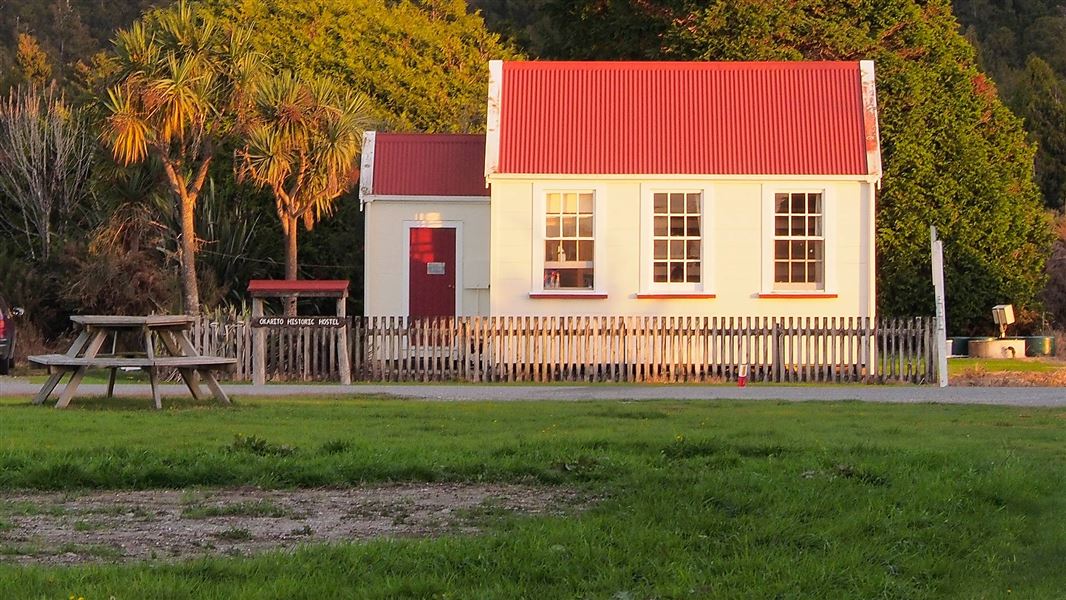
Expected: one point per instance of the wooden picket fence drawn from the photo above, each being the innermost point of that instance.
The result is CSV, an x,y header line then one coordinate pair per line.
x,y
589,349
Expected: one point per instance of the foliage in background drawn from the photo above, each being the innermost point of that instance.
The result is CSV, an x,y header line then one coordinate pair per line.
x,y
1022,46
422,63
302,143
954,155
183,82
46,156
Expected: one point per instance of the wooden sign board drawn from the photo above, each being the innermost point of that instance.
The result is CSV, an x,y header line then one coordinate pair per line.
x,y
326,322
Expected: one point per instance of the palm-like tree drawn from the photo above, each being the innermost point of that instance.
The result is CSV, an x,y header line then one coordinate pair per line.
x,y
182,84
303,143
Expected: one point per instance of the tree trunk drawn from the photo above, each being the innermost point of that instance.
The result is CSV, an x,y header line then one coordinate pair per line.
x,y
189,287
290,263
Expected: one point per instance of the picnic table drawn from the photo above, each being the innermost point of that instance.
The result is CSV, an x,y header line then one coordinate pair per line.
x,y
170,330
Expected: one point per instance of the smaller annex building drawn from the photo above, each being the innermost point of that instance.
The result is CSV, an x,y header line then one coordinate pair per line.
x,y
426,218
635,188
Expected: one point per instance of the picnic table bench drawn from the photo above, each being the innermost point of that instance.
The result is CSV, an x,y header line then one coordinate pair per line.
x,y
171,330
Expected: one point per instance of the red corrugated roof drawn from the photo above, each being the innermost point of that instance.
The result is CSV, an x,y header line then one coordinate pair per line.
x,y
407,164
682,118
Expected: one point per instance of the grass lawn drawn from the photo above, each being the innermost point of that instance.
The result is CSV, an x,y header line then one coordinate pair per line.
x,y
700,499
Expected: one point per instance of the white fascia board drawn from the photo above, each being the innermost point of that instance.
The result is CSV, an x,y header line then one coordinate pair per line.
x,y
366,169
492,124
678,177
414,198
869,117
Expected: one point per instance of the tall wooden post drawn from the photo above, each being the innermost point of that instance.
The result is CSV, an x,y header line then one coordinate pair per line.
x,y
941,316
258,345
344,363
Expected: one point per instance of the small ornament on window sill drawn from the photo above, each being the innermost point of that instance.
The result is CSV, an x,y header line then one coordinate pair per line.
x,y
560,255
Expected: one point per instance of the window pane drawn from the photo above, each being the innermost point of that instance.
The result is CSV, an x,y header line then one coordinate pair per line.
x,y
662,226
814,226
569,227
660,249
799,202
570,203
554,203
798,274
814,203
780,225
552,229
693,272
798,225
551,250
584,250
570,250
780,249
816,269
677,249
694,226
781,203
585,227
677,204
799,250
569,278
660,203
815,249
677,272
677,225
693,249
781,272
585,204
659,274
556,251
693,203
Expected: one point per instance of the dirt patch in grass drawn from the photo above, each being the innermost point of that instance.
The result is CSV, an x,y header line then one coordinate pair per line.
x,y
983,378
66,529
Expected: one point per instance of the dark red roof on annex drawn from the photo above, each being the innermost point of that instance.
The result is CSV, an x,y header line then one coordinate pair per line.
x,y
412,164
684,118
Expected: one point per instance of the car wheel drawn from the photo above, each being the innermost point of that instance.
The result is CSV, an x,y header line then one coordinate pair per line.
x,y
5,366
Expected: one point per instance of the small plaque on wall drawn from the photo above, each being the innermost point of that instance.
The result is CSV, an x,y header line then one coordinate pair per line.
x,y
435,268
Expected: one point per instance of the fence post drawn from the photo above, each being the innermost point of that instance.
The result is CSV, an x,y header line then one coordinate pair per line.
x,y
258,345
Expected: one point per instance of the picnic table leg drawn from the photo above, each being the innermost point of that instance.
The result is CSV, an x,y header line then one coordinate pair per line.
x,y
75,379
46,390
111,383
153,379
189,376
192,382
216,389
55,378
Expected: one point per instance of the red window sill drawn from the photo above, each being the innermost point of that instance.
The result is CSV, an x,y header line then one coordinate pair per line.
x,y
790,295
565,296
671,296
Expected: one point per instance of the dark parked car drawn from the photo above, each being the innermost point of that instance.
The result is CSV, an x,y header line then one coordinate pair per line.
x,y
7,335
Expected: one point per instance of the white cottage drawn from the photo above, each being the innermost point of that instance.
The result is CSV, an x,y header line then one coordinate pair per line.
x,y
689,189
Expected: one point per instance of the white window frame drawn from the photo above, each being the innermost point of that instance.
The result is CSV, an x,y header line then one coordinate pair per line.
x,y
599,230
829,235
647,237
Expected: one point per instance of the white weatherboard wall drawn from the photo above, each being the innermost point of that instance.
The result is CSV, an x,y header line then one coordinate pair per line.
x,y
735,249
387,225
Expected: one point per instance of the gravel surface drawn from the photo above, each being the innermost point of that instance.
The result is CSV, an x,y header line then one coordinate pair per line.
x,y
1013,396
174,525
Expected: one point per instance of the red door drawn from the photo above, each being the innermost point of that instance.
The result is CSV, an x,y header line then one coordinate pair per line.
x,y
432,280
